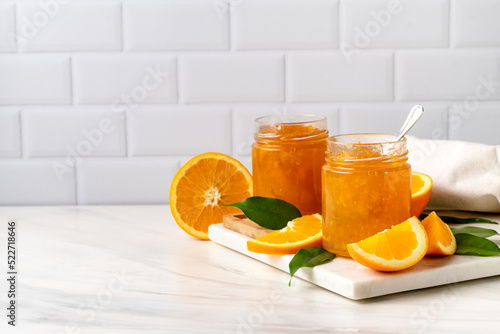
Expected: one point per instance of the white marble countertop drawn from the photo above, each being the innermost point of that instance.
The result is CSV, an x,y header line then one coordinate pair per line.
x,y
131,269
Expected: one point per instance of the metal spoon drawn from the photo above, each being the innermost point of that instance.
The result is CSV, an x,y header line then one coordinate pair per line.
x,y
415,113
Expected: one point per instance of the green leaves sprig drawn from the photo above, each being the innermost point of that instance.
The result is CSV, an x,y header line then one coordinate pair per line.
x,y
271,213
469,244
309,257
471,240
473,230
455,220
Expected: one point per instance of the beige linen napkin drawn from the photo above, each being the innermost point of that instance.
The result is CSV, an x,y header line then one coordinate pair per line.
x,y
466,175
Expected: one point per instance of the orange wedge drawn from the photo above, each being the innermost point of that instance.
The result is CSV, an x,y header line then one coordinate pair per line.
x,y
421,186
397,248
441,239
202,186
300,233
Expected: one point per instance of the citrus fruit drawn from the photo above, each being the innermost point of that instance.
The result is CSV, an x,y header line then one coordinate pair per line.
x,y
300,233
397,248
202,186
421,186
441,239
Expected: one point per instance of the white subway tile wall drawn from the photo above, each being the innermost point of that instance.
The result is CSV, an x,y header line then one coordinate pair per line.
x,y
36,182
480,124
124,80
7,27
447,74
232,77
475,24
284,24
81,131
328,77
125,180
395,24
102,101
49,26
35,79
157,131
10,132
174,25
357,118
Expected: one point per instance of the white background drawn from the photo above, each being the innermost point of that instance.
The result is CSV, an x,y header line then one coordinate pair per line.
x,y
102,101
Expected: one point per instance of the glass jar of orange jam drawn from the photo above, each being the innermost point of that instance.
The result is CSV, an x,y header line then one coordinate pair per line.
x,y
287,157
366,188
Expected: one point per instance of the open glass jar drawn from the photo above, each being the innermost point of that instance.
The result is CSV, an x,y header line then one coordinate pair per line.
x,y
366,188
287,156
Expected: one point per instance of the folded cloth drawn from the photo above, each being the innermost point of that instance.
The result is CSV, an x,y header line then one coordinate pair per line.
x,y
466,175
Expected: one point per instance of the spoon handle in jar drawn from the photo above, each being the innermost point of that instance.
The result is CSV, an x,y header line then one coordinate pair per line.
x,y
415,113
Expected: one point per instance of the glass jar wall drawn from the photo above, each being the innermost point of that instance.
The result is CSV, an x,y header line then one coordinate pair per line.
x,y
366,188
287,157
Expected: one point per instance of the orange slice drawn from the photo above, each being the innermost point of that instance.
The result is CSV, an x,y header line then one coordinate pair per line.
x,y
202,185
397,248
300,233
421,186
441,239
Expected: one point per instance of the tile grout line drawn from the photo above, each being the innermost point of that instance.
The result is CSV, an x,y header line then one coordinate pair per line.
x,y
16,44
72,81
340,39
233,132
450,25
126,131
21,134
122,26
394,77
448,121
339,118
286,93
177,80
447,116
229,28
75,172
178,72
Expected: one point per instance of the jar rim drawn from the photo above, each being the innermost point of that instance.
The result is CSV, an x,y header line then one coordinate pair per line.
x,y
390,139
289,119
366,147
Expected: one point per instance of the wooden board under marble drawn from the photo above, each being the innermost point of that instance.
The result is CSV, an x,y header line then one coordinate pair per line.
x,y
348,278
241,224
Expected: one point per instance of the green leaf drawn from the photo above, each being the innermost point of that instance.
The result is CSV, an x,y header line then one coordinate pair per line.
x,y
468,244
454,220
309,257
477,231
271,213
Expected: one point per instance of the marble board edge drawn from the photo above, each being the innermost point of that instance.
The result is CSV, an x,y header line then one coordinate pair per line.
x,y
375,284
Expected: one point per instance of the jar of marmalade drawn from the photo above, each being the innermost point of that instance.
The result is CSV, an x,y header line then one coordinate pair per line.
x,y
366,188
287,156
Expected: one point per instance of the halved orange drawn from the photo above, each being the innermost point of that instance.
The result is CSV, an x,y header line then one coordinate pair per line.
x,y
202,186
397,248
302,232
441,239
421,187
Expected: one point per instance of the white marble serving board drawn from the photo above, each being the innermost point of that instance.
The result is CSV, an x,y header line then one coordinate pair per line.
x,y
350,279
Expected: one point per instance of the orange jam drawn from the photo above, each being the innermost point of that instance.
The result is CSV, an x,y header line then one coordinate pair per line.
x,y
366,188
287,156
